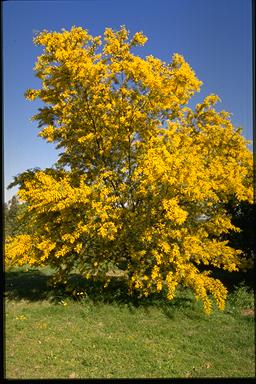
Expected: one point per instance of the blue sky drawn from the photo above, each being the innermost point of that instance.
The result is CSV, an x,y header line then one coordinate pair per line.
x,y
213,35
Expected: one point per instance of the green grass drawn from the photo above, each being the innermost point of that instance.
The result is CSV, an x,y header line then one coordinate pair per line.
x,y
109,335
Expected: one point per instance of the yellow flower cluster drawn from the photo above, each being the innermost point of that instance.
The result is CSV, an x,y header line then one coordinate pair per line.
x,y
142,180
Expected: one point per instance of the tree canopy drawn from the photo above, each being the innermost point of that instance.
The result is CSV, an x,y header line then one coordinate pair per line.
x,y
142,181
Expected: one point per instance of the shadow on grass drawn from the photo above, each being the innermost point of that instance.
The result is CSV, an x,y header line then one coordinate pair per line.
x,y
33,285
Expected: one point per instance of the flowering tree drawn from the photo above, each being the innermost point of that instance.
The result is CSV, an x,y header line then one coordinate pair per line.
x,y
142,180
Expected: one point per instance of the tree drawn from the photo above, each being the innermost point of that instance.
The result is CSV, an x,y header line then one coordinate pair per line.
x,y
143,179
14,217
243,217
10,216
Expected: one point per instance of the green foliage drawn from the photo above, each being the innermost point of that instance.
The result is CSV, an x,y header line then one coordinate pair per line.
x,y
241,297
15,217
244,217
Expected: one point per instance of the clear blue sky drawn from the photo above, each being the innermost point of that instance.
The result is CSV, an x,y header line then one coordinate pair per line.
x,y
213,35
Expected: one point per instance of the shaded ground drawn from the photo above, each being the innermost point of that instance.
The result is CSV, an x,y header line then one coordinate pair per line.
x,y
33,285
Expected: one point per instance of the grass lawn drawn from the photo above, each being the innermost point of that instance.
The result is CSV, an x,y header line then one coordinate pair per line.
x,y
107,335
